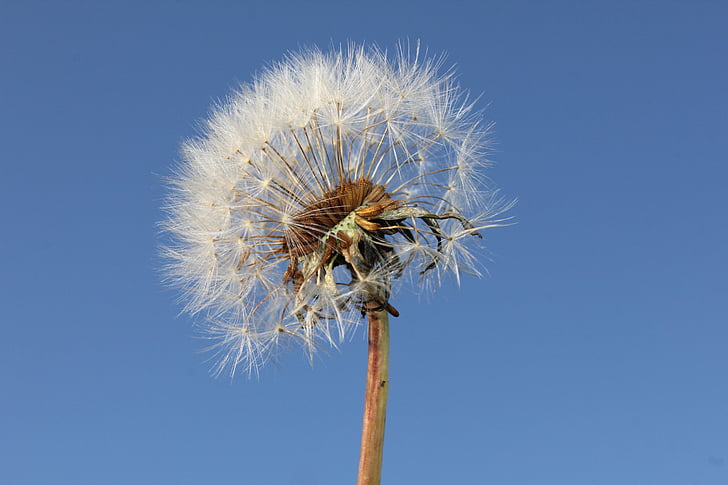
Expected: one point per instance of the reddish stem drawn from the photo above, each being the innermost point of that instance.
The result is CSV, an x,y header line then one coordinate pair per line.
x,y
375,400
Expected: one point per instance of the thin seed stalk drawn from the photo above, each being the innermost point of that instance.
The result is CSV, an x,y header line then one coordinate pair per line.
x,y
375,399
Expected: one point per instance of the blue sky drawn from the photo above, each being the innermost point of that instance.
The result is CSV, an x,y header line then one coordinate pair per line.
x,y
595,352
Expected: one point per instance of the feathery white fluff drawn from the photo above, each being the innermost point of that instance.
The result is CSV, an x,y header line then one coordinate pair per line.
x,y
253,205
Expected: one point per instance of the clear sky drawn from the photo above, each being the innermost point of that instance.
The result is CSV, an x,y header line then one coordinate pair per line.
x,y
595,351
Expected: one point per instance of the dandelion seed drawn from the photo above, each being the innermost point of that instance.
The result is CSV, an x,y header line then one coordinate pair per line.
x,y
311,192
316,188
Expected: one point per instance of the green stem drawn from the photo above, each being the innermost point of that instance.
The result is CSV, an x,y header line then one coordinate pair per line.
x,y
375,400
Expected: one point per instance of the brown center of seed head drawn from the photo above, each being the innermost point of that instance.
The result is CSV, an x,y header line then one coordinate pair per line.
x,y
303,235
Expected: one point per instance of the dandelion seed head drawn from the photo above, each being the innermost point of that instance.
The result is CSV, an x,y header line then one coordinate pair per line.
x,y
313,190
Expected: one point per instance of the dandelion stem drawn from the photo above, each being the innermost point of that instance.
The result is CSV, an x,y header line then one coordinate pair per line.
x,y
375,400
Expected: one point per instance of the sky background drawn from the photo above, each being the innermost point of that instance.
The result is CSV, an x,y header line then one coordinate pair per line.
x,y
594,353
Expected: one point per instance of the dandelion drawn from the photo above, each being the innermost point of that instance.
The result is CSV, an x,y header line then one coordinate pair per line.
x,y
312,192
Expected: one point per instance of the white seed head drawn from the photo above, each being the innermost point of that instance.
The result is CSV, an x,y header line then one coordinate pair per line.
x,y
315,188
